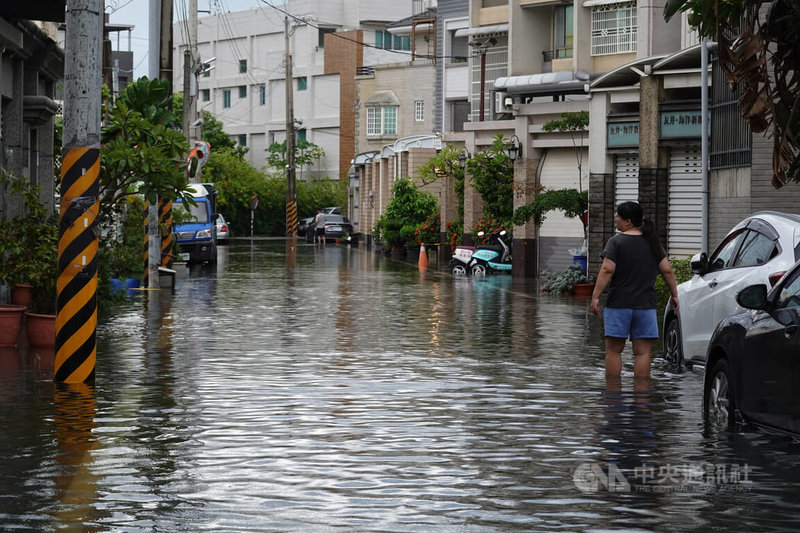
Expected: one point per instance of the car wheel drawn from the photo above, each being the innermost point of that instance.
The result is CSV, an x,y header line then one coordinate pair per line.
x,y
719,405
673,351
478,269
457,268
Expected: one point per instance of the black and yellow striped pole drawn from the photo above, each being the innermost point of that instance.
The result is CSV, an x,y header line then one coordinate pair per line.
x,y
146,246
165,229
76,303
291,219
76,314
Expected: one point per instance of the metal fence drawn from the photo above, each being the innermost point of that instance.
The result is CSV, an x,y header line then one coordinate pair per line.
x,y
731,138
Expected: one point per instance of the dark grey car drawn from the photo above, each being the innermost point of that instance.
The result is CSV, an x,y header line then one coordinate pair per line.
x,y
336,226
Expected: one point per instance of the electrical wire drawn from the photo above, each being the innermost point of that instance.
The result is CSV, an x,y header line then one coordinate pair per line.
x,y
361,43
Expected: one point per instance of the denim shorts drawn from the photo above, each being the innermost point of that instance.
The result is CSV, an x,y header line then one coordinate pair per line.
x,y
633,323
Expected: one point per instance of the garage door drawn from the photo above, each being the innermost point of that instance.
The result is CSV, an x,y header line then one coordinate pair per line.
x,y
626,179
560,171
685,202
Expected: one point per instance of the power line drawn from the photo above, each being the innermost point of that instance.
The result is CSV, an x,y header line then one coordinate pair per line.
x,y
361,43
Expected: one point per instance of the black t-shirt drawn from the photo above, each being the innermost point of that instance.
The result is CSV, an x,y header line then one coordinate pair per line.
x,y
632,285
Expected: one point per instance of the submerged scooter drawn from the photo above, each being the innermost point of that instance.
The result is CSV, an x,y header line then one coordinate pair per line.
x,y
459,264
491,257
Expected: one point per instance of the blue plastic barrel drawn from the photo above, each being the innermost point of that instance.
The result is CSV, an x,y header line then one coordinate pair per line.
x,y
580,260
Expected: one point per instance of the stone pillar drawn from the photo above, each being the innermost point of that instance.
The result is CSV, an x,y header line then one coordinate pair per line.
x,y
653,166
473,203
525,189
601,217
601,182
448,212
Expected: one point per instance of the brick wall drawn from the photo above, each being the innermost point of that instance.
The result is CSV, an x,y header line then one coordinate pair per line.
x,y
343,57
601,217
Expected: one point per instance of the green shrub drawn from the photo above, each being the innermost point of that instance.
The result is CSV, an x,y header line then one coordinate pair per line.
x,y
682,270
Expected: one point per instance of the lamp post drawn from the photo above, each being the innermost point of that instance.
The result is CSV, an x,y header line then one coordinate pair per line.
x,y
481,47
514,148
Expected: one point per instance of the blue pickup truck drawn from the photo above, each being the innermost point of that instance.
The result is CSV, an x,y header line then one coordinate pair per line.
x,y
196,235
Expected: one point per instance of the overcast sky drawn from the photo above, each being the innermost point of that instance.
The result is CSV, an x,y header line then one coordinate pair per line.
x,y
135,12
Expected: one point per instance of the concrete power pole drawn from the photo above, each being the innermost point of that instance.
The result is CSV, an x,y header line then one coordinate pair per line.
x,y
291,193
76,316
189,80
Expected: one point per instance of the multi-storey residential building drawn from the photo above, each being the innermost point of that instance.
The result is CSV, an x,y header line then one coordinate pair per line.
x,y
31,63
536,59
395,123
246,87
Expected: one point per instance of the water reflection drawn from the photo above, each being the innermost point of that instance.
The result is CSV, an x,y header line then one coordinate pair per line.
x,y
351,392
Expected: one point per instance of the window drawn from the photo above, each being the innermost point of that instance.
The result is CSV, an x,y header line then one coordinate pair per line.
x,y
243,140
226,98
262,95
562,31
382,120
723,256
242,66
302,83
321,36
756,250
206,94
207,73
243,91
419,110
614,28
387,41
301,135
790,294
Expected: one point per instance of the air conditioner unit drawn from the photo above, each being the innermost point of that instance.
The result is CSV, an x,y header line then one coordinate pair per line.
x,y
500,101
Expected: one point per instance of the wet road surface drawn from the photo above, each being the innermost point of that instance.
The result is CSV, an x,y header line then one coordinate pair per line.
x,y
354,393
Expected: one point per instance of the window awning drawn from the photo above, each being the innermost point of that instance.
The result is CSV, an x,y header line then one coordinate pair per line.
x,y
382,98
482,30
592,3
543,83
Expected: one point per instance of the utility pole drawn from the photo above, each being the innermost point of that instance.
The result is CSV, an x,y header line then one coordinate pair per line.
x,y
76,315
291,194
189,80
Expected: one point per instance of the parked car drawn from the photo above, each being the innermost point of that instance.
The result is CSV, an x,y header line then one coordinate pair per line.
x,y
336,226
752,372
760,249
302,226
221,226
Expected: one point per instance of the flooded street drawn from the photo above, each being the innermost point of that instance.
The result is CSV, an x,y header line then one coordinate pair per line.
x,y
354,393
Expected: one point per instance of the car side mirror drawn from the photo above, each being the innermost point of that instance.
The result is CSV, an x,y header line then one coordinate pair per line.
x,y
699,263
753,297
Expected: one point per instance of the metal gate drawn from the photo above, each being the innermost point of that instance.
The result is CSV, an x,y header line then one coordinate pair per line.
x,y
684,225
626,179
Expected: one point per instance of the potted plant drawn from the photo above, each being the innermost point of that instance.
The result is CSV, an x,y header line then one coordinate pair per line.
x,y
571,279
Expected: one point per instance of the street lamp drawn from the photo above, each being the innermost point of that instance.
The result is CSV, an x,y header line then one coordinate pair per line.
x,y
482,46
514,148
462,158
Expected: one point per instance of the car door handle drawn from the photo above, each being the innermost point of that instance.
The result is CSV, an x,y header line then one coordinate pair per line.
x,y
713,283
790,331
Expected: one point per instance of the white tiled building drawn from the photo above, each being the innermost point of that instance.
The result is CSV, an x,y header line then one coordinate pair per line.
x,y
246,87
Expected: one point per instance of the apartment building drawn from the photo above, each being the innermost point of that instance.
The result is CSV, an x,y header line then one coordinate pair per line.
x,y
245,89
530,61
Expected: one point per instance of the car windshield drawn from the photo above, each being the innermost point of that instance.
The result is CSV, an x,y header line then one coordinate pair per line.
x,y
197,213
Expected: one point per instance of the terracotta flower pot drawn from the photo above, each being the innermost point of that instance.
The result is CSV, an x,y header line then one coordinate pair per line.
x,y
41,329
10,324
583,290
22,294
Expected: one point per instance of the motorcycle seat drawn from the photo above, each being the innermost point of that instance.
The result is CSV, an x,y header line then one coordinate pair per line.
x,y
493,247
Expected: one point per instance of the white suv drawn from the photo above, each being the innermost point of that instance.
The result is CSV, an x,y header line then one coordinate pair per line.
x,y
760,249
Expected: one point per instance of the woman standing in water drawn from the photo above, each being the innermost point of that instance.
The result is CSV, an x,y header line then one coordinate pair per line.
x,y
632,260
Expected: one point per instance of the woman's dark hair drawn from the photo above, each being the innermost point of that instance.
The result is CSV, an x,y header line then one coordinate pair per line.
x,y
633,211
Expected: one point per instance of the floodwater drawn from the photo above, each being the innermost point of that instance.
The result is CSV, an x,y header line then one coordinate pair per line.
x,y
354,393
